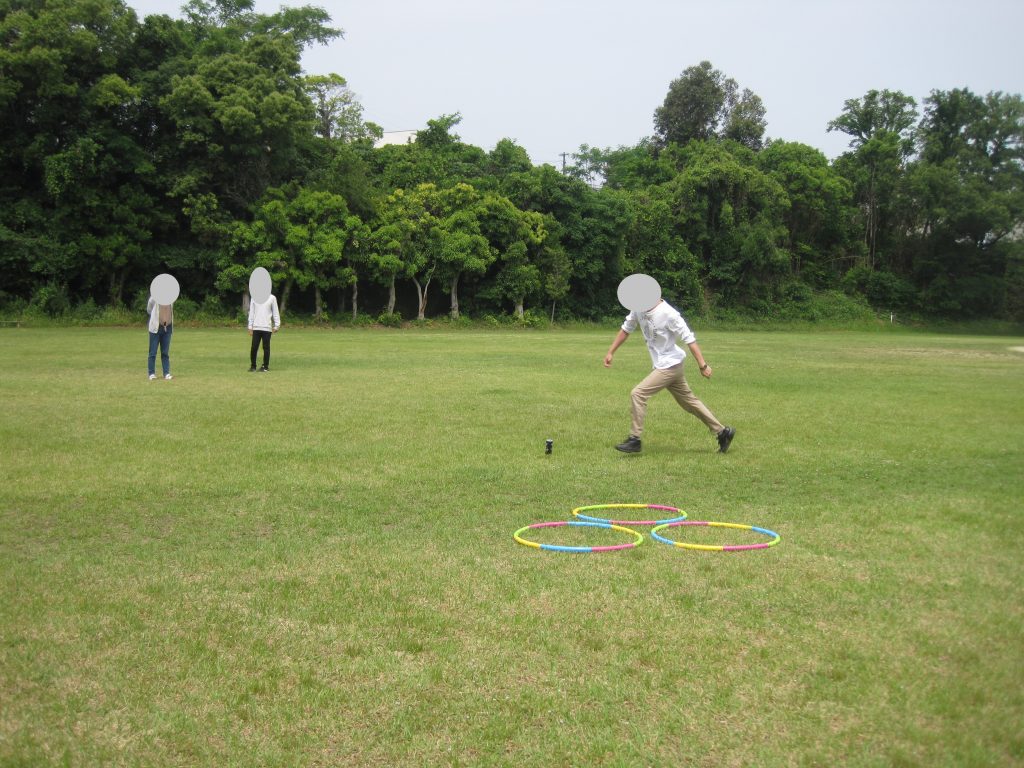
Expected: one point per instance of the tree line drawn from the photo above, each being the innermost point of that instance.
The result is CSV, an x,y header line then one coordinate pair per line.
x,y
198,146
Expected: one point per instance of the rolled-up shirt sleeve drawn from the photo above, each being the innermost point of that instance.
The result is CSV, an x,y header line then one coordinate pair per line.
x,y
682,331
630,324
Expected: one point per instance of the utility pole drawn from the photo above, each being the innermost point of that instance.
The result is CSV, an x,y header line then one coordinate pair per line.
x,y
563,155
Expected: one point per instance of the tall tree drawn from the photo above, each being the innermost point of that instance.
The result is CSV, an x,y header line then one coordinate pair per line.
x,y
965,200
338,114
693,106
461,247
880,127
817,218
240,109
77,200
516,238
394,236
729,214
314,233
703,103
745,122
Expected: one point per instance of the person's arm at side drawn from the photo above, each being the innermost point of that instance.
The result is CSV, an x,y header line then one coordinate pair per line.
x,y
620,337
277,316
252,310
705,369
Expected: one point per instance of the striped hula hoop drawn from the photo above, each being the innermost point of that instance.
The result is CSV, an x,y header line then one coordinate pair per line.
x,y
561,548
717,547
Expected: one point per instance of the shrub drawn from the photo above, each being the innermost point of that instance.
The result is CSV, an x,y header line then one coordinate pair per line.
x,y
87,311
462,321
185,309
390,319
50,299
882,289
533,319
12,306
211,309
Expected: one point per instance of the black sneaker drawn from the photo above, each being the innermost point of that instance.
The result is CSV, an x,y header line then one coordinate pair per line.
x,y
264,369
725,438
629,445
252,369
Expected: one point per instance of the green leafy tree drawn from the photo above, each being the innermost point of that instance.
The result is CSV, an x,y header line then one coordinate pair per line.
x,y
745,120
394,236
310,233
729,214
965,201
517,238
819,216
406,241
249,247
338,114
880,126
239,107
506,158
461,247
586,232
655,247
77,202
702,103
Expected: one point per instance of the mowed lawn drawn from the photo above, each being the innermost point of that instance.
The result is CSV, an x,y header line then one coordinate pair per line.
x,y
315,567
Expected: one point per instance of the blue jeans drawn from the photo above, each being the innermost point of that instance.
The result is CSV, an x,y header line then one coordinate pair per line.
x,y
162,337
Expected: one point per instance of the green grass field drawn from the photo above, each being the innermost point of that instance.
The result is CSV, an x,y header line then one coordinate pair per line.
x,y
315,567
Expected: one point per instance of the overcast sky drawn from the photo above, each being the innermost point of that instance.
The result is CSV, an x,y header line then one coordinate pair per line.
x,y
555,74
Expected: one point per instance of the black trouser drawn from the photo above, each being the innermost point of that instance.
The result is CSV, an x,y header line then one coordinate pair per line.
x,y
256,337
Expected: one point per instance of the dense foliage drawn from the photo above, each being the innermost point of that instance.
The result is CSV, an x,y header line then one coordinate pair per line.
x,y
198,146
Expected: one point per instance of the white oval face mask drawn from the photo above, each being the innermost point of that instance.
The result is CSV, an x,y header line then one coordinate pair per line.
x,y
259,285
639,293
164,289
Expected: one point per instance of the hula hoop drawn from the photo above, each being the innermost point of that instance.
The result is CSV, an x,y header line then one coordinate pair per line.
x,y
717,547
578,512
560,548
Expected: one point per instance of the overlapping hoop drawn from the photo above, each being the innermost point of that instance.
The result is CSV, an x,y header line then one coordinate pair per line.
x,y
562,548
578,512
717,547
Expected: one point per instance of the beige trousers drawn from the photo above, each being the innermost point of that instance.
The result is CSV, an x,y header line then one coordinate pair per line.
x,y
673,380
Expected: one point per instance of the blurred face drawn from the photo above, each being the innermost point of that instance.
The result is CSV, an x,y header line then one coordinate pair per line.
x,y
639,293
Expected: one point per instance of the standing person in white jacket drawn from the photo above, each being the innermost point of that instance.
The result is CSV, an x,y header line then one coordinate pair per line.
x,y
264,320
161,326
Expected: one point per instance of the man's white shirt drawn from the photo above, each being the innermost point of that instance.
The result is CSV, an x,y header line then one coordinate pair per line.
x,y
661,327
265,316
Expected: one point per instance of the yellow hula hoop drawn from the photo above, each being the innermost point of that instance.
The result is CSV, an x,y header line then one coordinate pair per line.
x,y
560,548
578,512
716,547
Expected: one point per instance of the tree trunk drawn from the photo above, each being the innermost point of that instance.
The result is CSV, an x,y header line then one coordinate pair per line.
x,y
117,286
421,295
391,296
872,222
245,301
355,298
318,302
552,310
519,308
455,297
285,293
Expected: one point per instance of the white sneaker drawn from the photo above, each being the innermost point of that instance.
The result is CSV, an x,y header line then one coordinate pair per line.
x,y
152,376
168,377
